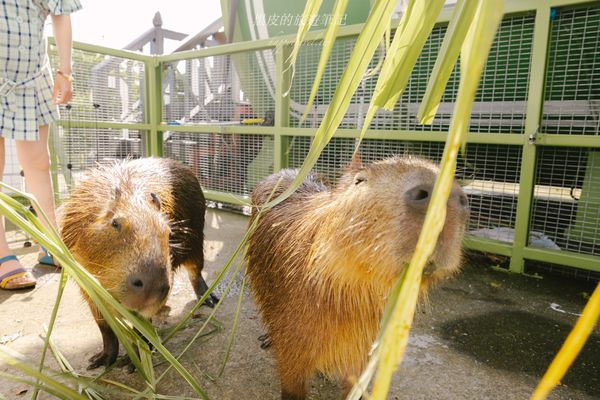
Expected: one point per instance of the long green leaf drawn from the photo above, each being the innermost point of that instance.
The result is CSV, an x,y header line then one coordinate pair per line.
x,y
61,288
394,335
43,382
366,44
106,304
415,26
309,15
462,16
328,41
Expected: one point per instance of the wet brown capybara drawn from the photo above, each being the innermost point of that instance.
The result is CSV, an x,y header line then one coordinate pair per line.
x,y
322,262
131,224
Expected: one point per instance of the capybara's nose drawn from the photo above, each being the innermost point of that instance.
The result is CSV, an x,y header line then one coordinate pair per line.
x,y
150,282
418,196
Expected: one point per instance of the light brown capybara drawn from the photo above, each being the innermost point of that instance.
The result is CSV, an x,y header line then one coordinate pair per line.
x,y
322,262
131,224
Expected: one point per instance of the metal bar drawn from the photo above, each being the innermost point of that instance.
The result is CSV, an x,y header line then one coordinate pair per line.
x,y
561,3
567,140
487,245
102,125
154,107
283,82
54,161
226,197
534,110
567,258
433,136
92,48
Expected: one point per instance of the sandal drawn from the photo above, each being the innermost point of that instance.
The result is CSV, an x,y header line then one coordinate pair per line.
x,y
15,274
47,259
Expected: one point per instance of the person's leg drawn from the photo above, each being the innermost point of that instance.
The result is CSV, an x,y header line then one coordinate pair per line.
x,y
34,157
12,264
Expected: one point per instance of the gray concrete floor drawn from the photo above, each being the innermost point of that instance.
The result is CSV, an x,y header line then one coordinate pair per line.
x,y
484,335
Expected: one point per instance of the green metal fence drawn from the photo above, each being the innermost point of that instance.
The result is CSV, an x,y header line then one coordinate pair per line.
x,y
532,166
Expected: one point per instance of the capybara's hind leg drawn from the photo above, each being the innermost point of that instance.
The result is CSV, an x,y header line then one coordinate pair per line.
x,y
294,376
293,390
200,287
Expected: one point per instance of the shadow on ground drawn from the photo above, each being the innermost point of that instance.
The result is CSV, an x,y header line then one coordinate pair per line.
x,y
482,335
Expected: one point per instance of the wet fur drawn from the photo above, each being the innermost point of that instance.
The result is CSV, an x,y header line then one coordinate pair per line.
x,y
165,230
322,262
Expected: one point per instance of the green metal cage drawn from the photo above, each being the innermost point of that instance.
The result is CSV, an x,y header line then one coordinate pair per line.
x,y
532,165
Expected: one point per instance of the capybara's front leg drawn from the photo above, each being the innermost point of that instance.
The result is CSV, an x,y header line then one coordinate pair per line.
x,y
200,287
110,349
128,362
265,341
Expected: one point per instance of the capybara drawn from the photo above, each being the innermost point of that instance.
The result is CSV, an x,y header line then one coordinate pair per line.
x,y
322,262
131,224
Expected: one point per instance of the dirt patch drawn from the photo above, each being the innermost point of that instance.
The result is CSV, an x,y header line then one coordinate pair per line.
x,y
483,335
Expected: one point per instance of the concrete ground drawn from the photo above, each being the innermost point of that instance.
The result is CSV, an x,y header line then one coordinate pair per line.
x,y
486,334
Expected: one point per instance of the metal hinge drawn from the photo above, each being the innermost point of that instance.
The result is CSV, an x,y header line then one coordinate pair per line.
x,y
533,136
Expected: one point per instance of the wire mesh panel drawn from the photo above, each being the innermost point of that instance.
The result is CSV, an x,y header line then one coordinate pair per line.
x,y
489,175
566,206
500,104
232,89
572,92
79,149
107,88
227,163
533,267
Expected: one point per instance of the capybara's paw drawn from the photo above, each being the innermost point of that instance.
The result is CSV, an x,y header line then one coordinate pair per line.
x,y
129,364
211,301
101,359
265,341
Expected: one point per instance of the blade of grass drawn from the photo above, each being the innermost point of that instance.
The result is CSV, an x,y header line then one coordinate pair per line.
x,y
462,16
231,337
61,288
328,41
412,32
571,348
366,44
394,335
42,382
106,304
309,15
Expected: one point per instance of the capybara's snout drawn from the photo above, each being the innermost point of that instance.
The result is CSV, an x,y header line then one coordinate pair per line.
x,y
147,287
419,196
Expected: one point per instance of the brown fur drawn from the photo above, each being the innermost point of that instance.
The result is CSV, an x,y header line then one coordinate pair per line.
x,y
322,262
137,218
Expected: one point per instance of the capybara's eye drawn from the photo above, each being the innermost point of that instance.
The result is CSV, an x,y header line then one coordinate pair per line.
x,y
155,200
116,224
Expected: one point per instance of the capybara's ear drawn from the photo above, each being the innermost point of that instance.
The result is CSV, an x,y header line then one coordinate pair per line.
x,y
356,163
155,200
117,196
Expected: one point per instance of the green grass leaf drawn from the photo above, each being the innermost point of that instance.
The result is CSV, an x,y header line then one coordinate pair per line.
x,y
328,41
412,32
462,16
391,344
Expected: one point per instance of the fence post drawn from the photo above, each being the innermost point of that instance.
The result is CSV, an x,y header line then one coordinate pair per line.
x,y
282,106
535,102
153,106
